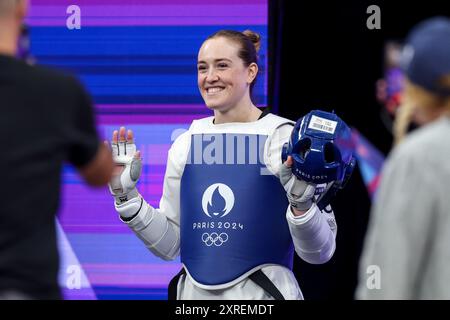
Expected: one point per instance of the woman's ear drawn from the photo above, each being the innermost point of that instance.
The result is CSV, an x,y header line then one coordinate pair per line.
x,y
252,72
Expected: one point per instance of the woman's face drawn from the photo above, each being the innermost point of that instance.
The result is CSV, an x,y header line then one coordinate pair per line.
x,y
223,79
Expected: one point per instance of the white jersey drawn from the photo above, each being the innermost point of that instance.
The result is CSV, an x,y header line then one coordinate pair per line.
x,y
313,233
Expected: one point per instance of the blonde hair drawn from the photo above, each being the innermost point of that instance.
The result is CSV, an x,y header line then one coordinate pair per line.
x,y
416,98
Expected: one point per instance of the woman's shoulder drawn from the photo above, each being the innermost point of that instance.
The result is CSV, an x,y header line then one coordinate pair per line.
x,y
425,143
279,118
278,124
202,122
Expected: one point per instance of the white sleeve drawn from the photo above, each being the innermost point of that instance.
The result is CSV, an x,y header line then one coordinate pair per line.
x,y
275,142
313,233
159,229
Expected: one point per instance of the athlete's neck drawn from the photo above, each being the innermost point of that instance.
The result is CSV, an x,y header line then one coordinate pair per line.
x,y
240,113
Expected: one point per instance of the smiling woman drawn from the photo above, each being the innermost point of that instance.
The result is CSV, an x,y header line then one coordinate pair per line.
x,y
227,71
228,218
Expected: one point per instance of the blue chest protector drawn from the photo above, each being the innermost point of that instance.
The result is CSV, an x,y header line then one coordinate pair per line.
x,y
233,213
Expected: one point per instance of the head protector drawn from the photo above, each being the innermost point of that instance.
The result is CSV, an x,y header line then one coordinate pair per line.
x,y
321,147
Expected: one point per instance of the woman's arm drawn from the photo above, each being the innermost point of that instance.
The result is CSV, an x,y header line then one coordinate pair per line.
x,y
313,232
159,229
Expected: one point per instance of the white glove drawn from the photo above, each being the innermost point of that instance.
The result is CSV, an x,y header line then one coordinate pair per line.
x,y
299,193
129,166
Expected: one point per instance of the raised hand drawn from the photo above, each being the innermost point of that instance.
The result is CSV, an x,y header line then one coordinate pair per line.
x,y
128,166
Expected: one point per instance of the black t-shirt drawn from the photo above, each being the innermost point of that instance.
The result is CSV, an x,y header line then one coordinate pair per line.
x,y
46,119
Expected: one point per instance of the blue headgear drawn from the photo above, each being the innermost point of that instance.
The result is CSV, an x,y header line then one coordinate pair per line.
x,y
322,151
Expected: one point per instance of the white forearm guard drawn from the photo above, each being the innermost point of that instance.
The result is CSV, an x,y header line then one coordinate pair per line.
x,y
313,235
159,235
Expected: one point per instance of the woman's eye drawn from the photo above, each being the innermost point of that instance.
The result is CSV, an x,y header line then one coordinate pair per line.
x,y
222,65
201,68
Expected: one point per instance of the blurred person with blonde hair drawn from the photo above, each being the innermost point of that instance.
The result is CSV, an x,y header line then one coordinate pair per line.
x,y
407,252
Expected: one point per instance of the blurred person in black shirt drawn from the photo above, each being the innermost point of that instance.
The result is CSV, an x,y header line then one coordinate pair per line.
x,y
46,119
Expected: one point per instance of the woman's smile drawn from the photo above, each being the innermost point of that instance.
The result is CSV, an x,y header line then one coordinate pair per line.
x,y
212,91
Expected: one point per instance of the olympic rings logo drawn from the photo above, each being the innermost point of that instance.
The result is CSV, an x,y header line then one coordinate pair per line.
x,y
214,239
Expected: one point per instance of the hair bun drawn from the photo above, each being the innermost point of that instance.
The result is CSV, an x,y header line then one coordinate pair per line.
x,y
254,37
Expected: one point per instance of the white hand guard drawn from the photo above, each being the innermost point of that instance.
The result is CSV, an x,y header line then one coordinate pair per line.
x,y
123,186
299,193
